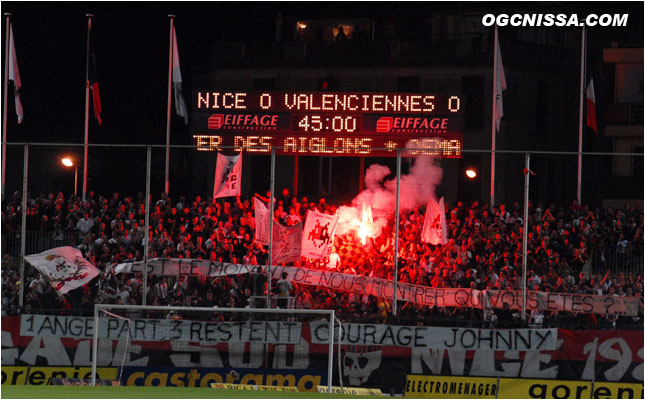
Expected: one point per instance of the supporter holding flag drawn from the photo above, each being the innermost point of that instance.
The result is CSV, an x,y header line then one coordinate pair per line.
x,y
64,268
228,176
435,230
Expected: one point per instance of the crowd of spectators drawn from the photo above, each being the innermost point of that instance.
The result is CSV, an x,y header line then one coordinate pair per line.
x,y
484,251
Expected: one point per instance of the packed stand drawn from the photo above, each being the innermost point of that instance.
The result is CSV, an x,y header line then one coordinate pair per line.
x,y
484,252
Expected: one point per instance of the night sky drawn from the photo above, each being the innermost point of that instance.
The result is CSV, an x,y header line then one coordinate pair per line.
x,y
131,46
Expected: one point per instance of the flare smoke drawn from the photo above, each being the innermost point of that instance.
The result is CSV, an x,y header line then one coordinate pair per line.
x,y
416,188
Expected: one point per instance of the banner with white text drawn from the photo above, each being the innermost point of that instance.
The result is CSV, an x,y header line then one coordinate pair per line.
x,y
296,356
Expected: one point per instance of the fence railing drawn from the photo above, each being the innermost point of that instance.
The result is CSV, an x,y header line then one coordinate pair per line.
x,y
37,242
626,259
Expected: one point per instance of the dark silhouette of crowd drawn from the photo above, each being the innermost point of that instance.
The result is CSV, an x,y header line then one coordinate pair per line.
x,y
484,251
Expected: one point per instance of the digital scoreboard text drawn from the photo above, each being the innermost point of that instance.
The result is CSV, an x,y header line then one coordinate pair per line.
x,y
324,123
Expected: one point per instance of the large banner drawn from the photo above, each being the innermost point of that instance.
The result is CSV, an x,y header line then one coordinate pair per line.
x,y
228,176
64,268
276,332
425,295
457,297
318,234
65,344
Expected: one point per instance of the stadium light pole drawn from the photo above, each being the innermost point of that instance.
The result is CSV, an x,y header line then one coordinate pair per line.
x,y
68,162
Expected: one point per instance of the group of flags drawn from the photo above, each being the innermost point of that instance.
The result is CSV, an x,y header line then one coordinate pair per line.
x,y
500,86
92,76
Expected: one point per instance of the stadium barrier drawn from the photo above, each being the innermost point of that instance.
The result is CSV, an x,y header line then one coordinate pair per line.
x,y
41,375
448,387
57,343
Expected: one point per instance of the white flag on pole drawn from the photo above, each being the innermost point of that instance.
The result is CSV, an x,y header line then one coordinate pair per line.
x,y
435,230
286,243
318,234
228,176
180,104
64,268
14,75
500,85
262,215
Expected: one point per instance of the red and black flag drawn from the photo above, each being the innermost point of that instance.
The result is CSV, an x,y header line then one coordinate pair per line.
x,y
92,78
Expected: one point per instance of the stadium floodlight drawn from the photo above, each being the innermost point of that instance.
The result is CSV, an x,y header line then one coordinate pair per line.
x,y
122,319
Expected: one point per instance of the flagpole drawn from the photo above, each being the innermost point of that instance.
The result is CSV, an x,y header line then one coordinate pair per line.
x,y
493,124
6,97
583,64
525,228
23,227
167,177
87,104
272,212
146,236
396,229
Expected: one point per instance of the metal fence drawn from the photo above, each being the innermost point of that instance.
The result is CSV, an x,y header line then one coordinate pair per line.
x,y
618,259
37,242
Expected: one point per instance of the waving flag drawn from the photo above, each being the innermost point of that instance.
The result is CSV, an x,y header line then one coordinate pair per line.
x,y
228,176
14,75
64,268
92,76
591,108
435,230
180,104
500,85
318,234
286,243
262,221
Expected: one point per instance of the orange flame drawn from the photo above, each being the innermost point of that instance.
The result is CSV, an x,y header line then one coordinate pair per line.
x,y
366,229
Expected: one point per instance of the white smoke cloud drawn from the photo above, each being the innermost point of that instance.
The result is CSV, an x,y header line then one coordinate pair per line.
x,y
415,190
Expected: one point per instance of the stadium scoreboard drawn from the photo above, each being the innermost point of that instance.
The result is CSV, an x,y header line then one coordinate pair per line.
x,y
329,124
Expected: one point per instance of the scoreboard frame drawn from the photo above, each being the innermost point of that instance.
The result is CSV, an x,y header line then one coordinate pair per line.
x,y
328,123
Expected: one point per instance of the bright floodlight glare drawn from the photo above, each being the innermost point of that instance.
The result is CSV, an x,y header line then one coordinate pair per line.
x,y
471,173
67,162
